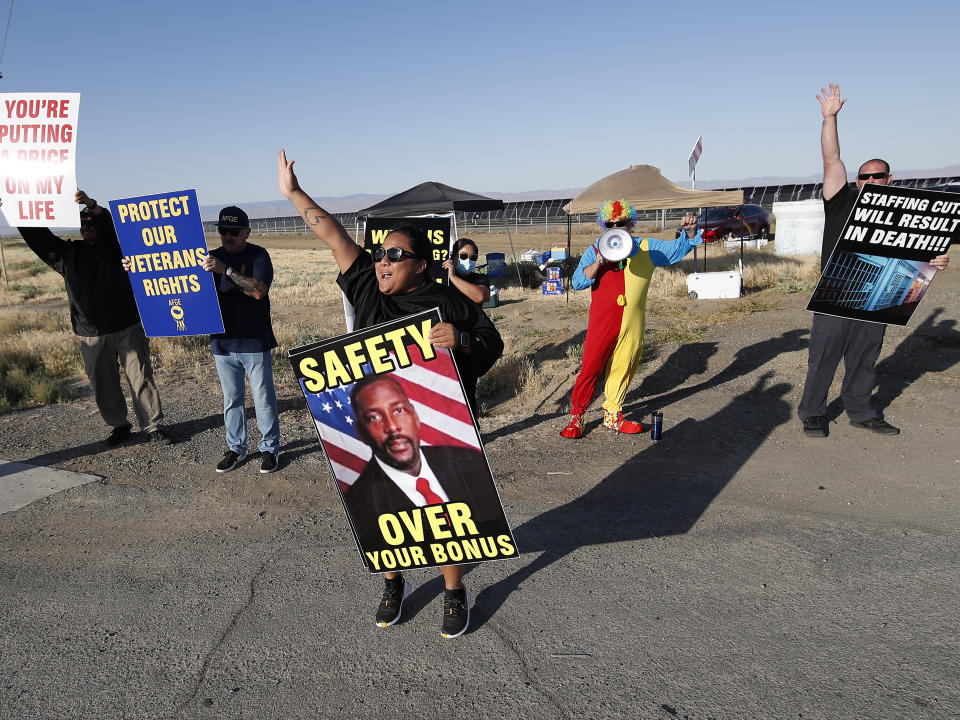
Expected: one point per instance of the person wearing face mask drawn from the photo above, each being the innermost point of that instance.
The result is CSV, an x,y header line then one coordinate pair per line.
x,y
460,269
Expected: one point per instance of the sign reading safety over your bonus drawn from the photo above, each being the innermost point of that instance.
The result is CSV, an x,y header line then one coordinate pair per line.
x,y
394,423
162,239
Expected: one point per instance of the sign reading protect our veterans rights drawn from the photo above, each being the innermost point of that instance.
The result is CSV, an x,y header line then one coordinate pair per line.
x,y
437,229
162,238
880,268
38,141
394,423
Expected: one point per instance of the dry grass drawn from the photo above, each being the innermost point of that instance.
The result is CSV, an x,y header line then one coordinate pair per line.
x,y
540,333
29,277
37,353
303,277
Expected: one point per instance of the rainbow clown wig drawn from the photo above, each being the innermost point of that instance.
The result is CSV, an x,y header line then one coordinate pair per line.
x,y
613,211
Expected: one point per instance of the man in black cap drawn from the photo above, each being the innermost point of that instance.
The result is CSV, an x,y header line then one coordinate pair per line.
x,y
104,315
243,276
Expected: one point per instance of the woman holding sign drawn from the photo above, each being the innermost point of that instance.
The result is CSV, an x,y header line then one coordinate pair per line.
x,y
391,284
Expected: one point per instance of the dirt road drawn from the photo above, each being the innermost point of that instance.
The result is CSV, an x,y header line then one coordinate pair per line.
x,y
735,569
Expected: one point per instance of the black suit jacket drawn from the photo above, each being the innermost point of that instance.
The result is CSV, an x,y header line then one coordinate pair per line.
x,y
462,472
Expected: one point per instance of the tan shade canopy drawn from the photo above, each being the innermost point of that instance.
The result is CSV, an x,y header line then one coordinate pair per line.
x,y
646,189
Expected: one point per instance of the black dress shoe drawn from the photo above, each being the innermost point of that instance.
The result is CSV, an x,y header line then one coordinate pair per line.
x,y
877,425
813,427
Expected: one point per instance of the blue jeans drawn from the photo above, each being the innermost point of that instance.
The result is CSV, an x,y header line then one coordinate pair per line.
x,y
257,366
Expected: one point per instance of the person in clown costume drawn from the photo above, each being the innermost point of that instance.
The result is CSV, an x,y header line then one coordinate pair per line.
x,y
618,313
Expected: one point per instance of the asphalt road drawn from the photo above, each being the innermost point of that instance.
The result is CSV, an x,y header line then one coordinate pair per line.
x,y
734,570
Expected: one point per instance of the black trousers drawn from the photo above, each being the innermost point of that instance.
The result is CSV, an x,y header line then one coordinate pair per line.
x,y
858,344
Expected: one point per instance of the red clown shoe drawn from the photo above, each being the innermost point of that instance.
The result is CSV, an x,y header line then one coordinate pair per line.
x,y
617,423
574,428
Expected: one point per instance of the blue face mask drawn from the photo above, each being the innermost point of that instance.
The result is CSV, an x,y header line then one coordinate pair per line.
x,y
465,267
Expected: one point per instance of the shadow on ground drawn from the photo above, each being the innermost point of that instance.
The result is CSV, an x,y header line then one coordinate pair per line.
x,y
663,490
932,347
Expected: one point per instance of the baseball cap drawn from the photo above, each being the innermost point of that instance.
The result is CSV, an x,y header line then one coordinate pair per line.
x,y
233,217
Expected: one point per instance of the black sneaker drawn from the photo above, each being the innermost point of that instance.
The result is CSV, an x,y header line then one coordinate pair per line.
x,y
813,427
120,434
160,437
230,460
456,613
269,462
395,591
877,425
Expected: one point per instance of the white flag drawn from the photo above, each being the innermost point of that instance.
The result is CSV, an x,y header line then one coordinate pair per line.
x,y
695,155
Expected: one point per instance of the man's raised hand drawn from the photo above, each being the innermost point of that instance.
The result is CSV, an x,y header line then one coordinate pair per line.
x,y
831,102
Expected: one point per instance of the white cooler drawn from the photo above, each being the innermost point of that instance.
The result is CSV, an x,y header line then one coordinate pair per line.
x,y
711,285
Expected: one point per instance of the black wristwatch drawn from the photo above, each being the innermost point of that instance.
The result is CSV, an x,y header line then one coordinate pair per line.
x,y
463,339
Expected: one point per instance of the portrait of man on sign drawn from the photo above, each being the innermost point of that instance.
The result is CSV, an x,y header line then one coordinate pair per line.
x,y
403,474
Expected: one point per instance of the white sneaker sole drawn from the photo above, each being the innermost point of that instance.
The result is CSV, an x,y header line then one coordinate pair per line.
x,y
407,589
466,625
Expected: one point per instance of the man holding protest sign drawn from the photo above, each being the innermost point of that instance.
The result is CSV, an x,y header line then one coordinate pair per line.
x,y
831,338
104,315
244,273
392,284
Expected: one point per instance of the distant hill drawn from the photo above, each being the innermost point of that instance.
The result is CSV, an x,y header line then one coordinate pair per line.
x,y
284,208
352,203
947,171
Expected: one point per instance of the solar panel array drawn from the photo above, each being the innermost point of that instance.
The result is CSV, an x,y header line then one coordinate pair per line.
x,y
549,212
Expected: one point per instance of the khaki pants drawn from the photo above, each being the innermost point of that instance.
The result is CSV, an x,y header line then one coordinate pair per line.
x,y
131,347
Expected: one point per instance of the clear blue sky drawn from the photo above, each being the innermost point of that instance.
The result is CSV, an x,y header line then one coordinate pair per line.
x,y
375,97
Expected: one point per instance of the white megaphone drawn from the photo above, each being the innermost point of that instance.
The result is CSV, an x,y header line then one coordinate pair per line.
x,y
615,245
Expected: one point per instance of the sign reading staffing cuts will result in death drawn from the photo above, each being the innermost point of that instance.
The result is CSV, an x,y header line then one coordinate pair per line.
x,y
162,238
880,269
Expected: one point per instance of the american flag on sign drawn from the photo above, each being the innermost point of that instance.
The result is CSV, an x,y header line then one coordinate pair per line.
x,y
433,389
695,154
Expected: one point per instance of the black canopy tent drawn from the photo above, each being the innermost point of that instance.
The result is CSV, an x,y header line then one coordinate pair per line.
x,y
431,197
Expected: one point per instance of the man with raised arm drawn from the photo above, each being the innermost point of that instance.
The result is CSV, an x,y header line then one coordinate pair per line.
x,y
832,338
104,315
390,284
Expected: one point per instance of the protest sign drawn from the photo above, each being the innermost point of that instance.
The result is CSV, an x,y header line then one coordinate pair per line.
x,y
394,423
880,267
437,229
162,238
38,177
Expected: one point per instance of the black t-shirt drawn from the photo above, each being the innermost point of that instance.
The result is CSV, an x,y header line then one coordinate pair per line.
x,y
836,210
371,307
98,288
246,320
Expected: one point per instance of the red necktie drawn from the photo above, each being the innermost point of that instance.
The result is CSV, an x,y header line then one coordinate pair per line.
x,y
423,487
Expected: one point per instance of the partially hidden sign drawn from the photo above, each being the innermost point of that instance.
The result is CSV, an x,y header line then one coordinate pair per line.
x,y
437,229
162,238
